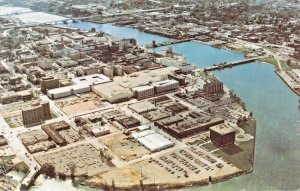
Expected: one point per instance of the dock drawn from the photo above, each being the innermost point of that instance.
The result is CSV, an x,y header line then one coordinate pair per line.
x,y
230,64
289,81
166,43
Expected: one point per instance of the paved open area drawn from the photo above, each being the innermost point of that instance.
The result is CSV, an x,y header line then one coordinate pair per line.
x,y
85,102
124,146
83,159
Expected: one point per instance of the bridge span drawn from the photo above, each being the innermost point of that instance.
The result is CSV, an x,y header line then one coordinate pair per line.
x,y
231,64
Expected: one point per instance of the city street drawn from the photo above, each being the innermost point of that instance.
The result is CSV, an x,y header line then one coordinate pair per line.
x,y
21,152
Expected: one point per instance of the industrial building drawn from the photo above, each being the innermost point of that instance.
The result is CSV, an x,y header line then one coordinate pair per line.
x,y
12,96
176,108
161,100
129,122
52,130
93,79
113,92
142,107
37,113
36,141
181,127
121,88
152,140
80,85
156,115
96,129
222,135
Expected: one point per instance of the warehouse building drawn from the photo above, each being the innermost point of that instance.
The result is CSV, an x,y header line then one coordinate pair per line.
x,y
122,88
96,129
152,141
52,130
80,85
129,122
142,107
181,127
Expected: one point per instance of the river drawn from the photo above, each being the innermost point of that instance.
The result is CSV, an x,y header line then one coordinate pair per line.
x,y
275,107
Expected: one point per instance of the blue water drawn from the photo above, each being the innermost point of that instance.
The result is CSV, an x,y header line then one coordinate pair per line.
x,y
275,107
203,55
119,32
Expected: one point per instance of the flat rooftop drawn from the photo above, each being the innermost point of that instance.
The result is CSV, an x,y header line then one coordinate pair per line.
x,y
125,83
222,129
91,79
143,106
152,140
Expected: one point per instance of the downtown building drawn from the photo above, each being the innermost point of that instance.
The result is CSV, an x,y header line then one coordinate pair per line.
x,y
36,114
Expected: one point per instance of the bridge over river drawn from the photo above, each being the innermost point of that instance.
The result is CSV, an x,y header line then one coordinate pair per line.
x,y
231,64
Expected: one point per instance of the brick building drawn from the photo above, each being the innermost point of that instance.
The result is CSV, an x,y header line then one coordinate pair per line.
x,y
36,114
48,83
222,135
213,87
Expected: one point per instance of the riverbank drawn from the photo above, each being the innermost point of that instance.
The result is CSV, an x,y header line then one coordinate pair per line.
x,y
167,186
288,81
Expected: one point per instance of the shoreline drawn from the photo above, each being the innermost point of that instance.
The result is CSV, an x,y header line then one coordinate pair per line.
x,y
171,186
285,81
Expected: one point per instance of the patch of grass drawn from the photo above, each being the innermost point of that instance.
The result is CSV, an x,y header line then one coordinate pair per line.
x,y
22,166
238,155
10,124
210,146
6,158
250,127
53,115
269,60
206,75
244,51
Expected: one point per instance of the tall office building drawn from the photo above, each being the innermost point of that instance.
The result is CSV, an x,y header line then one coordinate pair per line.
x,y
36,114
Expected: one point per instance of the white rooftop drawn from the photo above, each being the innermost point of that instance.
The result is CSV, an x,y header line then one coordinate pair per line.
x,y
152,140
91,79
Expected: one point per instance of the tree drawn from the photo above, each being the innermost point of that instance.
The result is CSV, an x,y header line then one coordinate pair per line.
x,y
72,167
231,94
142,185
113,184
48,170
62,176
101,154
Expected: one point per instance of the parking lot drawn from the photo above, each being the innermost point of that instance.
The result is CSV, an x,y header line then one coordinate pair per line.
x,y
179,166
85,157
